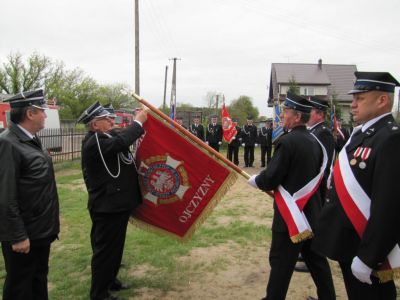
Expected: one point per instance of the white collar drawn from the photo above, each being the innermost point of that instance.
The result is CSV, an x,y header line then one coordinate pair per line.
x,y
30,135
368,124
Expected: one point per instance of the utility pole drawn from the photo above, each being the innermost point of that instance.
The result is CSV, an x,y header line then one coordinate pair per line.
x,y
137,73
173,90
165,87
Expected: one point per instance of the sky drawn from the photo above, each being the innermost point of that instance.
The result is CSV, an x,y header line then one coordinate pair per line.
x,y
224,46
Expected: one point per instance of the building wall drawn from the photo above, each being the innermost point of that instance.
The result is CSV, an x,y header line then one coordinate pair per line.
x,y
307,90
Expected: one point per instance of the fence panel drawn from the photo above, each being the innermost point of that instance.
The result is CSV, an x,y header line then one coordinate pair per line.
x,y
63,144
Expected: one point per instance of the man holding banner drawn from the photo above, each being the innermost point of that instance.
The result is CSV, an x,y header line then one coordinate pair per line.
x,y
359,224
111,179
294,174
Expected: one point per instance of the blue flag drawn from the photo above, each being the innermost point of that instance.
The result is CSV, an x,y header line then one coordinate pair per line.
x,y
278,129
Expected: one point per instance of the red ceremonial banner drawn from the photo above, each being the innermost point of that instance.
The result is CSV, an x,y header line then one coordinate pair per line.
x,y
180,182
228,126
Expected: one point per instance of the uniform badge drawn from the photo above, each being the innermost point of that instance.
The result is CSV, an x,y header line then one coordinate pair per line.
x,y
356,154
353,162
165,180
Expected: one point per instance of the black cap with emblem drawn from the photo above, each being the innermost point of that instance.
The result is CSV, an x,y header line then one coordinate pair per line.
x,y
109,107
319,103
296,102
374,81
92,112
33,98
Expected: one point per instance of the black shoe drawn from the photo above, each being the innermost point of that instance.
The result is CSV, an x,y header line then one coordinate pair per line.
x,y
112,298
311,298
118,286
301,267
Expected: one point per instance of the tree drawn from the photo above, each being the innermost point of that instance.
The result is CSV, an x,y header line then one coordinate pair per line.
x,y
241,108
17,76
294,88
73,89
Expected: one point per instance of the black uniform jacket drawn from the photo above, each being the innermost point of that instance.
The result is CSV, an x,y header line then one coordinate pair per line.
x,y
249,135
214,133
197,131
297,160
238,138
336,237
265,137
28,194
324,135
108,194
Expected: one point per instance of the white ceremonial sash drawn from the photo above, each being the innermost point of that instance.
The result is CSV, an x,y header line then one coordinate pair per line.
x,y
357,205
291,206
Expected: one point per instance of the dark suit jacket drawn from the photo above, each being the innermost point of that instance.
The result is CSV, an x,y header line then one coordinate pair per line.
x,y
336,236
297,160
324,135
108,194
265,137
249,135
214,133
197,131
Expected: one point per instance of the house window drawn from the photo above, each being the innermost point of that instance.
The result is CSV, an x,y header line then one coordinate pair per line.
x,y
309,91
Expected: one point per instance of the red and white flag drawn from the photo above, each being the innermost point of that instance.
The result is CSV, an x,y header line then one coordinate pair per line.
x,y
180,183
228,126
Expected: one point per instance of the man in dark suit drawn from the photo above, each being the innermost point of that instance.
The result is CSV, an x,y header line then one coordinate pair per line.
x,y
249,140
233,147
196,128
29,209
359,224
214,133
111,179
318,127
297,160
265,141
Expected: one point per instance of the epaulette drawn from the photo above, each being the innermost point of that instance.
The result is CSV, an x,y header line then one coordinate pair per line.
x,y
393,126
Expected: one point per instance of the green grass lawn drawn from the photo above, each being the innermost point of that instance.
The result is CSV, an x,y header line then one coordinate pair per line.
x,y
150,261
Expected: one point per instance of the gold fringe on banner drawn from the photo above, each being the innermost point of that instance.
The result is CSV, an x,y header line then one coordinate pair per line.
x,y
302,236
229,181
387,275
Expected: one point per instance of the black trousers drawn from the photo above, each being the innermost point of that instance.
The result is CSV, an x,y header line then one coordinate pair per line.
x,y
248,156
282,259
265,150
233,153
215,146
358,290
108,239
26,277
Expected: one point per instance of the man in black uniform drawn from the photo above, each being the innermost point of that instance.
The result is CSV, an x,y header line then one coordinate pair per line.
x,y
318,127
111,179
296,162
359,224
249,140
29,209
214,133
233,146
265,141
196,128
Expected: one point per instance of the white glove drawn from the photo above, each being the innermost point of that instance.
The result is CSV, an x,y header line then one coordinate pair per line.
x,y
252,181
255,145
219,143
361,271
234,138
243,144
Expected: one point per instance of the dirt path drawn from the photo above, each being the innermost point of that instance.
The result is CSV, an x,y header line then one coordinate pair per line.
x,y
246,270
